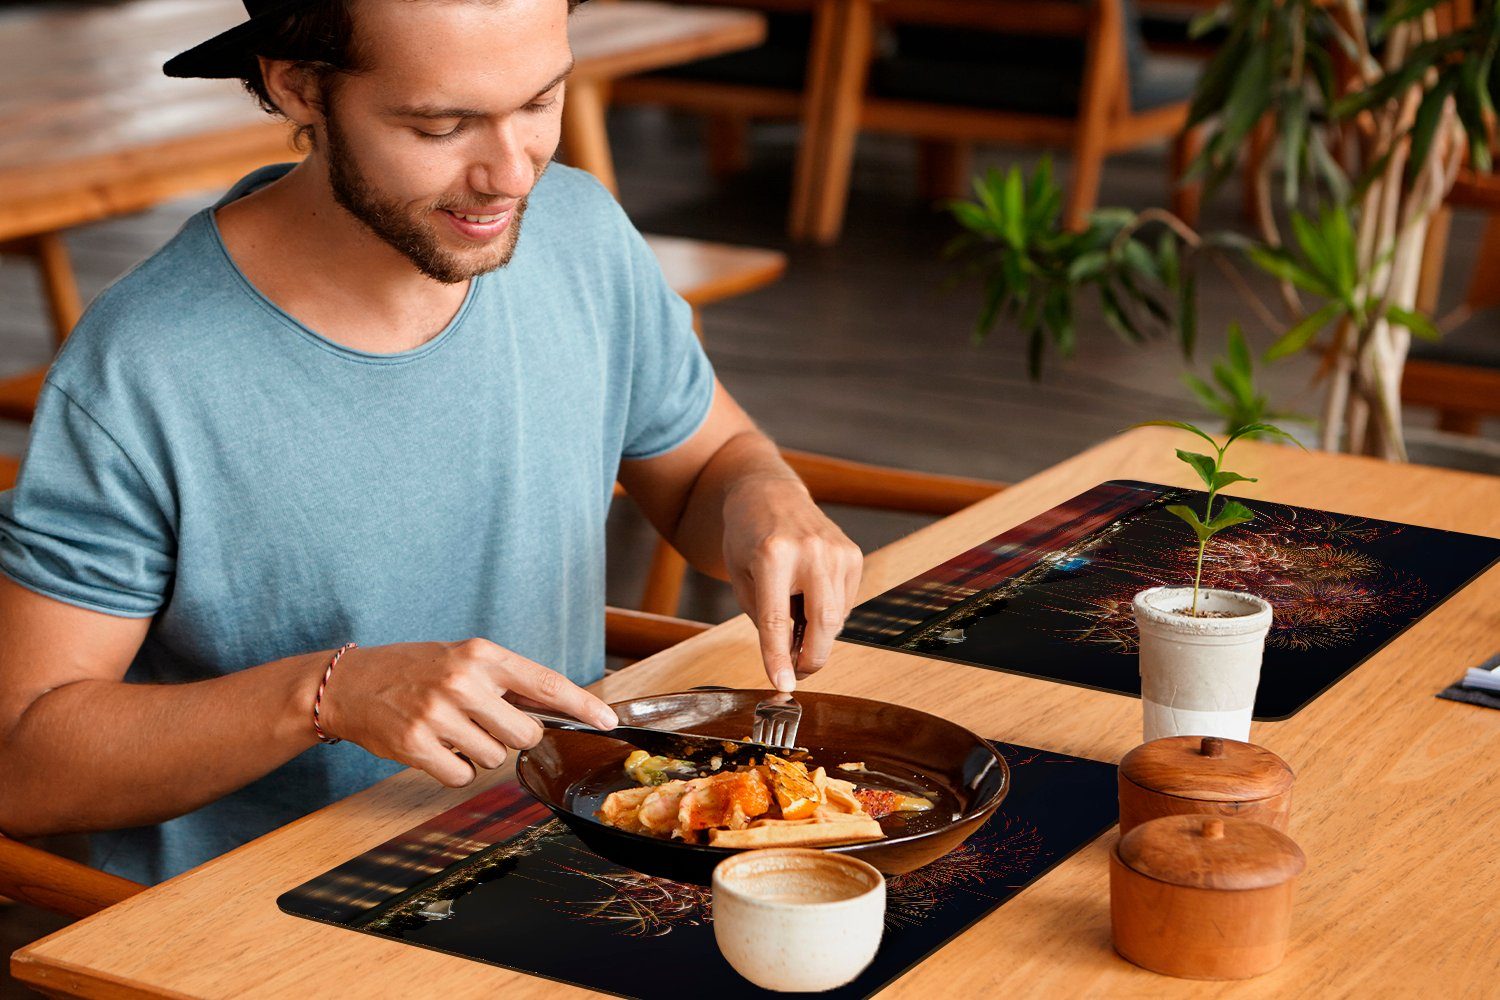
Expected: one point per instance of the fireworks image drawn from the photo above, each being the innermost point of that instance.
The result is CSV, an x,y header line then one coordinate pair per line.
x,y
1053,597
1322,590
637,905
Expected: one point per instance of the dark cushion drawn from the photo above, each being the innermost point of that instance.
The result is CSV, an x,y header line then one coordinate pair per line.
x,y
1476,347
781,62
1027,74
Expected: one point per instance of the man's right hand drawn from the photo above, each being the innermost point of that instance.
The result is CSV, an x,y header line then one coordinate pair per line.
x,y
419,702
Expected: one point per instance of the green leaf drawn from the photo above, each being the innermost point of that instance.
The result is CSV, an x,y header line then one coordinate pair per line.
x,y
1471,101
1187,311
1418,324
1229,515
1261,428
1203,531
1139,259
1180,425
1205,21
1117,318
1424,128
1293,115
1013,204
1205,394
1239,351
1087,266
1224,479
970,216
1299,336
1310,242
1280,264
1202,464
1338,237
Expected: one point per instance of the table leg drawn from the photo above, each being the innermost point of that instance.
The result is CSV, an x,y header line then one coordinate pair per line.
x,y
585,139
1103,81
59,286
843,39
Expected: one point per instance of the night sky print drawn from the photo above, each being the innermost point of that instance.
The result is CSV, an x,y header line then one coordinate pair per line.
x,y
1052,597
498,880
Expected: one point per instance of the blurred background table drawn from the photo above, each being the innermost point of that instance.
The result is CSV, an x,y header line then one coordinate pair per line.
x,y
91,128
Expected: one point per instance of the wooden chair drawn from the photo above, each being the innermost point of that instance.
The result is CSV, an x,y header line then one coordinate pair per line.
x,y
848,87
1460,375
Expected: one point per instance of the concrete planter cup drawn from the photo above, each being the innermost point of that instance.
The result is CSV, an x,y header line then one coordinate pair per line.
x,y
1199,674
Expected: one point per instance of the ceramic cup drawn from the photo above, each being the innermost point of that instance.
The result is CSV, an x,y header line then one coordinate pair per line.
x,y
1199,675
798,920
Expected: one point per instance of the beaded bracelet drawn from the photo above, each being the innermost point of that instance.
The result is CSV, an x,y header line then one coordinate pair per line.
x,y
318,699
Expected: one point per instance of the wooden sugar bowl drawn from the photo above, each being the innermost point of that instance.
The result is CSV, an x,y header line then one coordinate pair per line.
x,y
1203,897
1181,775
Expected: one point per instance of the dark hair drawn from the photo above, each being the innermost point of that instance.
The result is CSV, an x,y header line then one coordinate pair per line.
x,y
320,38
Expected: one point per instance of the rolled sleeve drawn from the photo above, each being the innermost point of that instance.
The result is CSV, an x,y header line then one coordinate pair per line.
x,y
82,524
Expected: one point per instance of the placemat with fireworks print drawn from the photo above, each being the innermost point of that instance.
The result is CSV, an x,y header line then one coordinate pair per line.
x,y
1051,598
500,881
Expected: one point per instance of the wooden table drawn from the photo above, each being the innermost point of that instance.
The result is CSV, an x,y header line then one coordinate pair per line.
x,y
1397,800
90,128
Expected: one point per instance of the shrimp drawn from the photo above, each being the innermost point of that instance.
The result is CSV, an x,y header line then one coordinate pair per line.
x,y
658,810
723,800
622,808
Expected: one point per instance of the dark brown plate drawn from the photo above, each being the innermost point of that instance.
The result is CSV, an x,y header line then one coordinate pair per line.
x,y
572,772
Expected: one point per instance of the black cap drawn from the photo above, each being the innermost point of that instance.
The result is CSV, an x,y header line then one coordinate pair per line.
x,y
226,54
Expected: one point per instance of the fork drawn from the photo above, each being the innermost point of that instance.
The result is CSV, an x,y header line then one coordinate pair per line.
x,y
776,722
777,718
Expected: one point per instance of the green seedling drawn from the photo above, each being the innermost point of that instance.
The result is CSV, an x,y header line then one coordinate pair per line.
x,y
1211,470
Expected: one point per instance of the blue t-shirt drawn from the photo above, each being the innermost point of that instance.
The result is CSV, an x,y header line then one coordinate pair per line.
x,y
200,456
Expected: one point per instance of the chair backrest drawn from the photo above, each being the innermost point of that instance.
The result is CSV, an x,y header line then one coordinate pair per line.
x,y
9,469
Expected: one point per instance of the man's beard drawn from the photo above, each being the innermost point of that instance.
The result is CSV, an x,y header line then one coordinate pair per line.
x,y
413,237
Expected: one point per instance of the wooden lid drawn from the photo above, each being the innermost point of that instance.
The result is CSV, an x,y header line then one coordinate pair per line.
x,y
1207,768
1212,852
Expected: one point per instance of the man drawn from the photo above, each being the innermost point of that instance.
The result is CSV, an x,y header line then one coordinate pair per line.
x,y
354,402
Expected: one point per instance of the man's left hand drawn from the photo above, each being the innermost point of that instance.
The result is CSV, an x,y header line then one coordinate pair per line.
x,y
778,544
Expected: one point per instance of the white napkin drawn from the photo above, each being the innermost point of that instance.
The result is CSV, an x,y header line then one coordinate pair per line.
x,y
1485,677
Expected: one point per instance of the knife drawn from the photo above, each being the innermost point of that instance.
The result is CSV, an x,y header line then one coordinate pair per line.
x,y
679,746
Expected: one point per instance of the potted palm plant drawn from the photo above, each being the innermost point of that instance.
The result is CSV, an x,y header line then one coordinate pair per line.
x,y
1369,117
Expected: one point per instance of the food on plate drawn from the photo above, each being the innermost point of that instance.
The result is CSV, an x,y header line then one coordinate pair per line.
x,y
645,769
780,803
880,802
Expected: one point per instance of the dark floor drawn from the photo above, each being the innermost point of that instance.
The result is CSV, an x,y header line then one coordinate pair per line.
x,y
861,351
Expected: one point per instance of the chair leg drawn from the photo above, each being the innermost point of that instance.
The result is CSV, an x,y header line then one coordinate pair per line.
x,y
944,167
1262,137
59,285
1458,422
585,139
1434,255
664,580
728,145
1186,199
1484,287
842,46
1103,77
